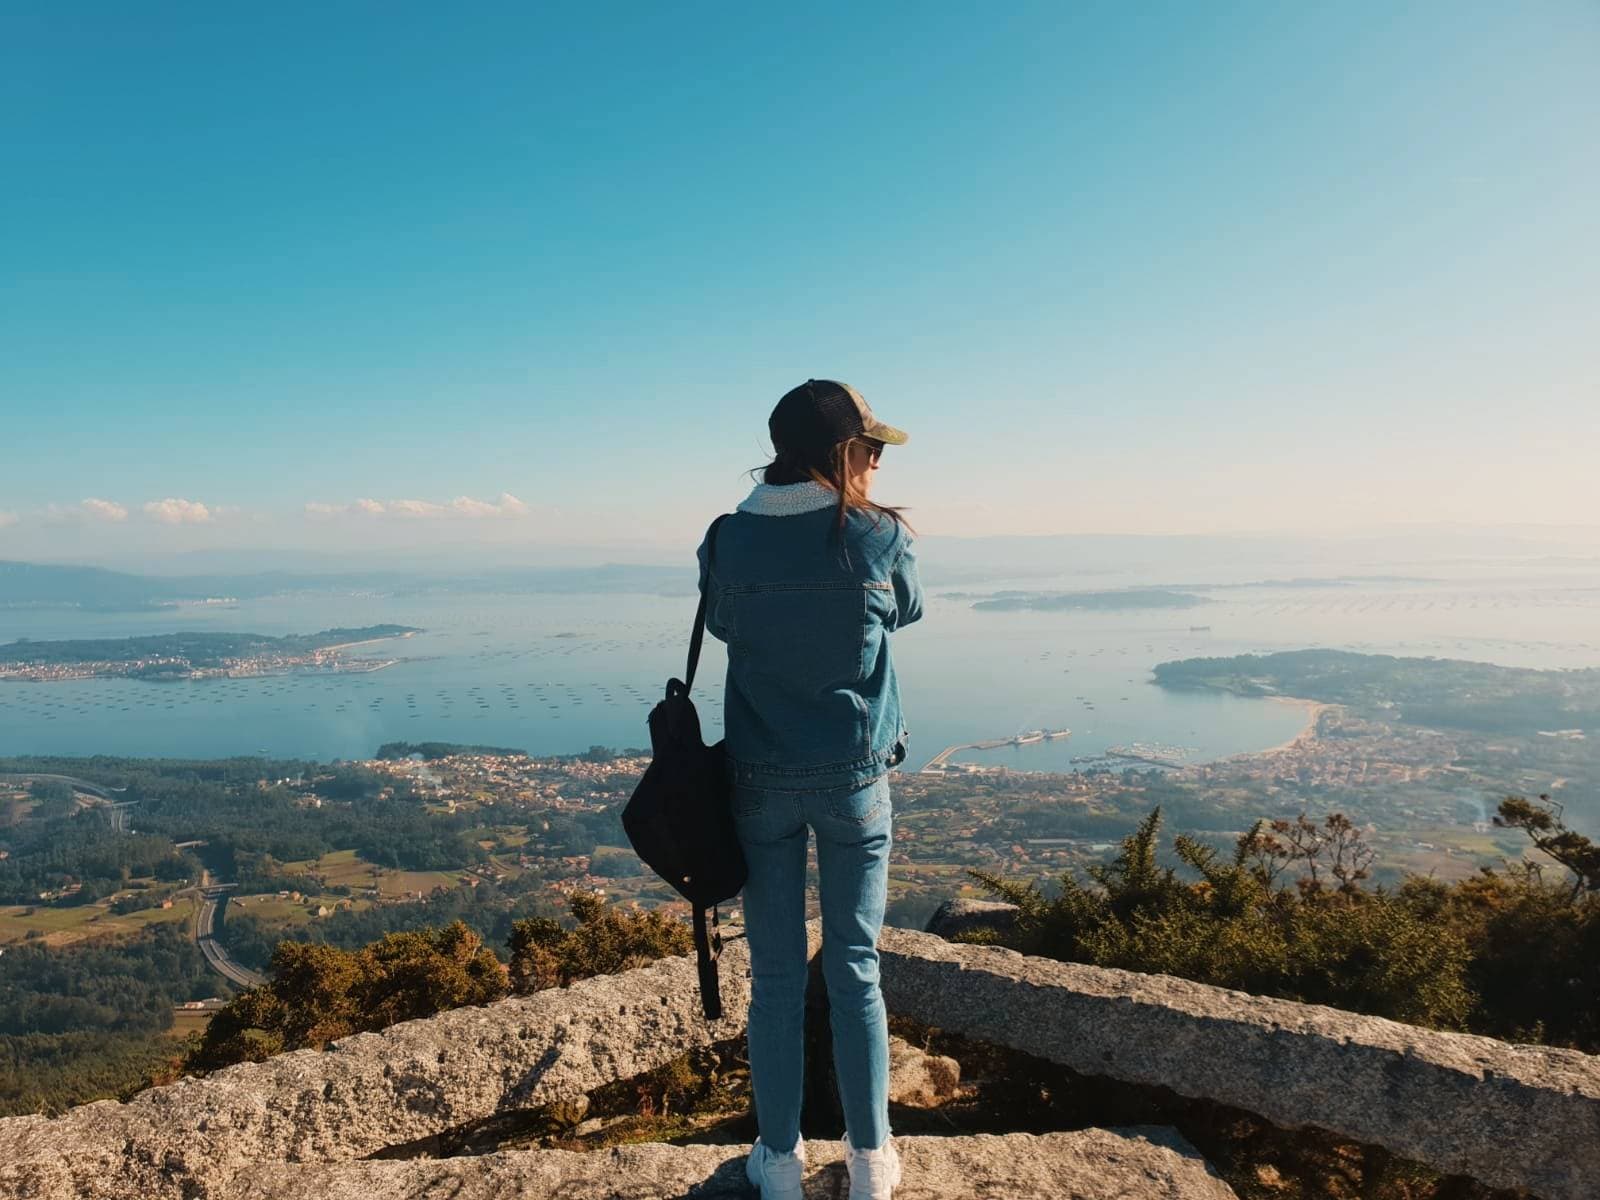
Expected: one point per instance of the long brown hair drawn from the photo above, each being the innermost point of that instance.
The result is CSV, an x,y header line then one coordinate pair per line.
x,y
831,469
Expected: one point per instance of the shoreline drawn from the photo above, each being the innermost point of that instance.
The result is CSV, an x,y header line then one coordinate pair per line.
x,y
1308,733
388,637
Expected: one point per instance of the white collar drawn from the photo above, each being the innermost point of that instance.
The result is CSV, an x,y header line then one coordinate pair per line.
x,y
788,499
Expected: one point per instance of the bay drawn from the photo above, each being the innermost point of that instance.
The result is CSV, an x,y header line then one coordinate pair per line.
x,y
556,674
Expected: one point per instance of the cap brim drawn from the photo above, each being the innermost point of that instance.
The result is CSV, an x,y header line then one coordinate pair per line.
x,y
887,434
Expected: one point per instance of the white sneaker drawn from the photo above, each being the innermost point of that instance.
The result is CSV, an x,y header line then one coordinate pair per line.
x,y
777,1175
874,1174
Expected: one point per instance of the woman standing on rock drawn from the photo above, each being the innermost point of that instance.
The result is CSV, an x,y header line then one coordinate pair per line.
x,y
809,578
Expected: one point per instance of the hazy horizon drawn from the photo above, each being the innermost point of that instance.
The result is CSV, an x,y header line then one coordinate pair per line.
x,y
948,560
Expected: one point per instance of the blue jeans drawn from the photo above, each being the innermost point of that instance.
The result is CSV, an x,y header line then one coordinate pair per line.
x,y
853,828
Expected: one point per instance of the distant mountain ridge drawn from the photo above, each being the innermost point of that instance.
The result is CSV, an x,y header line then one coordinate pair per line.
x,y
28,585
97,589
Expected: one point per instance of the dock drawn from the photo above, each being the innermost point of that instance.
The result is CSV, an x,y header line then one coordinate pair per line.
x,y
937,762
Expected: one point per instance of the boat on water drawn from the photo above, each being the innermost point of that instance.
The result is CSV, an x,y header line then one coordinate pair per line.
x,y
1039,735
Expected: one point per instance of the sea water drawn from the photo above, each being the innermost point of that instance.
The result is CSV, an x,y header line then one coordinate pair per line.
x,y
556,674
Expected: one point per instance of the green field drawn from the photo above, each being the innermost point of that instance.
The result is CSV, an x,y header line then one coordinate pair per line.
x,y
277,909
185,1022
1452,852
64,926
342,868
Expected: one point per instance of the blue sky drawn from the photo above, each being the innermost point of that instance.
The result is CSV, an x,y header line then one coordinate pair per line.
x,y
538,274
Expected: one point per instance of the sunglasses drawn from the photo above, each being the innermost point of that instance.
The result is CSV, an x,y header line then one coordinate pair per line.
x,y
873,447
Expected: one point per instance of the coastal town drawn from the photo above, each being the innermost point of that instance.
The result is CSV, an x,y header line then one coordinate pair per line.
x,y
1420,803
167,668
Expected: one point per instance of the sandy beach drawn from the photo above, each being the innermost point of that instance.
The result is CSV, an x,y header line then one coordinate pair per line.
x,y
1313,708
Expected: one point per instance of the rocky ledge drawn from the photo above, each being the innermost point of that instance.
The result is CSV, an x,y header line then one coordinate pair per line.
x,y
1144,1163
1512,1116
1509,1115
371,1091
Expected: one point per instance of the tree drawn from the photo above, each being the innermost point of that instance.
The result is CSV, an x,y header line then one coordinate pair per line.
x,y
611,863
1543,823
55,799
50,789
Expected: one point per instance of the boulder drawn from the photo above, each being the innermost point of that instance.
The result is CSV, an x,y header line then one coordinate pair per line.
x,y
955,917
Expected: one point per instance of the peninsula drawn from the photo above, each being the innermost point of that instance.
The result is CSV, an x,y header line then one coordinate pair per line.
x,y
177,656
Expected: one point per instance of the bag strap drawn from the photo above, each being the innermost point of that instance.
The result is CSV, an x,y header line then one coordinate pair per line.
x,y
707,949
698,635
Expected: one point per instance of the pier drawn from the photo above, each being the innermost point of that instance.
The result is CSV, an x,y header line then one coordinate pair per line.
x,y
938,761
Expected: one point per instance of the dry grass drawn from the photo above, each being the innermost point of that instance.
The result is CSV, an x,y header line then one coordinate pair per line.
x,y
185,1022
342,868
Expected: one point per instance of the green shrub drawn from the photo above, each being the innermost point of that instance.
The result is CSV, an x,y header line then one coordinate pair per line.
x,y
1242,925
606,940
319,993
1507,953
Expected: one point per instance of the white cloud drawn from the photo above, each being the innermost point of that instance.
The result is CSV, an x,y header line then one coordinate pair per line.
x,y
104,510
361,508
173,511
505,505
416,508
92,509
8,518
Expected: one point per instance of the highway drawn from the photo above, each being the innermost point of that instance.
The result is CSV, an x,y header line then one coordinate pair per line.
x,y
86,795
77,785
212,897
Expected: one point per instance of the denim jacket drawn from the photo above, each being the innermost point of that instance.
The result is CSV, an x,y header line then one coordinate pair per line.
x,y
811,700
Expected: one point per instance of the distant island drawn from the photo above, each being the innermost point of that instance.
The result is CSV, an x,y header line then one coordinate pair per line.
x,y
192,655
1112,601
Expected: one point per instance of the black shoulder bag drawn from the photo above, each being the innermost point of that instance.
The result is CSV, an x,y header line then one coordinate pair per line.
x,y
680,816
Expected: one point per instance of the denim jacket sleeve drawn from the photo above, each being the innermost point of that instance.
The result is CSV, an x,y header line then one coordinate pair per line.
x,y
907,587
713,623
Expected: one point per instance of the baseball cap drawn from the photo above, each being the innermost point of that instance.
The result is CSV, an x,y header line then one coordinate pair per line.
x,y
821,413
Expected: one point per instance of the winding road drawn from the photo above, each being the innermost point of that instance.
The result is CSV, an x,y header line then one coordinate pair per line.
x,y
212,897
